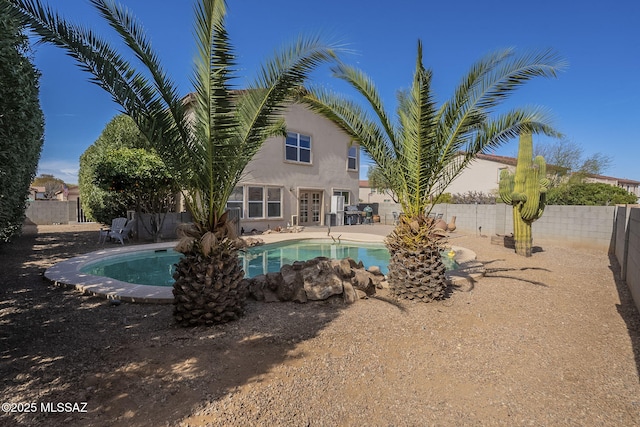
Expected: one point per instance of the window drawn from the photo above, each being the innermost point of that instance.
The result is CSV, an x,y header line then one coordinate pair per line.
x,y
264,199
274,202
255,202
297,148
352,159
344,194
235,200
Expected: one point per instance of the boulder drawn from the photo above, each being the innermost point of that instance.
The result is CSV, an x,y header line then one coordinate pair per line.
x,y
349,293
316,279
375,270
363,281
321,281
361,295
256,286
270,296
273,281
344,268
290,283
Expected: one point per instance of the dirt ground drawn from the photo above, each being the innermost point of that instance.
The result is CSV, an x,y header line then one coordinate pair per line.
x,y
549,340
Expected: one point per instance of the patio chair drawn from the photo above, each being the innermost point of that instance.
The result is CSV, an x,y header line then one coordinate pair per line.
x,y
122,233
116,224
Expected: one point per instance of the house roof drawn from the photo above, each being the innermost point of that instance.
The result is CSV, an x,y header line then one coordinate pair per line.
x,y
611,178
364,183
512,161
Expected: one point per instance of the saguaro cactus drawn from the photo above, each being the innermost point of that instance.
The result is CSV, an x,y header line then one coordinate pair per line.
x,y
526,192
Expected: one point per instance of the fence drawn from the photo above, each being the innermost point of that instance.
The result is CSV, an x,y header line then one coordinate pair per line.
x,y
46,212
626,248
142,229
585,226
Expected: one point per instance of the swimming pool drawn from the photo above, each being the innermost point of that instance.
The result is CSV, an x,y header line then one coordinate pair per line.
x,y
70,272
156,267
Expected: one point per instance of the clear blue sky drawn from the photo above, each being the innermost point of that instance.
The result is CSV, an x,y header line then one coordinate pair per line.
x,y
595,102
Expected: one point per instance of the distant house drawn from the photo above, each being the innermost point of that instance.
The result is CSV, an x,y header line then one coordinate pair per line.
x,y
631,186
70,193
291,179
483,176
371,195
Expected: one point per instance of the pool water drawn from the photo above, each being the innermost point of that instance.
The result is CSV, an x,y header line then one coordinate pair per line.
x,y
157,267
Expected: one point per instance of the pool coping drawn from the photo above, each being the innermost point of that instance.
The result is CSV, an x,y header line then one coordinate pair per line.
x,y
67,273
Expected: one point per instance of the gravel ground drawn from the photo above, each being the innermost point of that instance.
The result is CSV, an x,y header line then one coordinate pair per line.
x,y
549,340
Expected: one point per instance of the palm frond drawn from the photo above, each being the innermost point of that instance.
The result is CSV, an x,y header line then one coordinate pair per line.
x,y
365,86
277,83
422,157
133,35
129,88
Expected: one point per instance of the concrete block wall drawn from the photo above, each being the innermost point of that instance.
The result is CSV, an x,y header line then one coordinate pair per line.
x,y
590,226
168,226
45,212
385,210
632,256
621,238
476,219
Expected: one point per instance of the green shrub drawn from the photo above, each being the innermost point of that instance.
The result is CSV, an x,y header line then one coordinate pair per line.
x,y
21,127
590,194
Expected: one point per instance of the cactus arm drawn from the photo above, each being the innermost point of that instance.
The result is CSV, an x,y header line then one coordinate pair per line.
x,y
505,186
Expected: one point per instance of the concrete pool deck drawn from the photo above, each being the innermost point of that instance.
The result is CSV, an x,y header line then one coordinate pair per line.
x,y
68,273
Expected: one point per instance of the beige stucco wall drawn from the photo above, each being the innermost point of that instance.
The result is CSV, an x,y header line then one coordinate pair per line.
x,y
481,176
326,173
367,195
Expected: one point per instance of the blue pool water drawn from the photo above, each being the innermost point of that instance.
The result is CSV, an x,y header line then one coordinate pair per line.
x,y
157,267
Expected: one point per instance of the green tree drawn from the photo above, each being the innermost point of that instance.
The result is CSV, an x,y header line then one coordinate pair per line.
x,y
418,154
590,194
568,156
141,176
205,155
98,203
21,125
379,182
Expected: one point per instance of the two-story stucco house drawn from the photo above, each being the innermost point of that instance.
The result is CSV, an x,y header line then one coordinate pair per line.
x,y
483,175
291,179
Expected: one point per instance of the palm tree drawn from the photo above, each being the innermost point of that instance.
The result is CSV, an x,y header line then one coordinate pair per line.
x,y
428,146
205,141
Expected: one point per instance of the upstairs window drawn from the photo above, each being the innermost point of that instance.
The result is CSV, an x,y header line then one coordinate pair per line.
x,y
352,159
297,148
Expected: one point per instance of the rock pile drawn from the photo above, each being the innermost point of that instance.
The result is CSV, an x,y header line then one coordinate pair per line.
x,y
315,280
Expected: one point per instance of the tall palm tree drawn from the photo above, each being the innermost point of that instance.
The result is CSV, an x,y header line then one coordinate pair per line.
x,y
428,146
205,142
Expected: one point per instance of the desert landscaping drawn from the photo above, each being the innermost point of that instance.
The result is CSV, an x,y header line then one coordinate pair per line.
x,y
549,340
